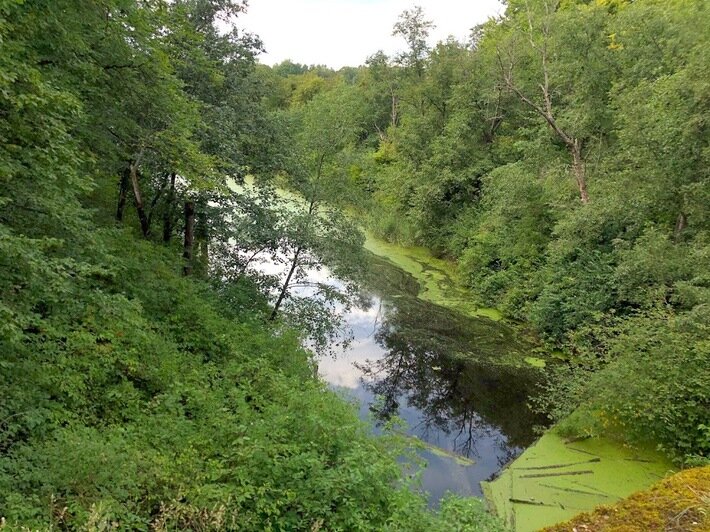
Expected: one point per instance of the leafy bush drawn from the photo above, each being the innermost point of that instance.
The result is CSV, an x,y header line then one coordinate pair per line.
x,y
652,387
141,404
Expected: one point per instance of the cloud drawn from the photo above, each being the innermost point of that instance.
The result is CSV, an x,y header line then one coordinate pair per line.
x,y
345,32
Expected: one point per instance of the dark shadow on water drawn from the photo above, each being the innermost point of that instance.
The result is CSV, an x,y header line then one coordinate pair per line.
x,y
450,377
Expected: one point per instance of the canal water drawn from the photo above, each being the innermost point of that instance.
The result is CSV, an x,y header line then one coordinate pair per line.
x,y
459,383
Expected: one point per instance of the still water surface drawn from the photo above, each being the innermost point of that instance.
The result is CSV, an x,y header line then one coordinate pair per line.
x,y
448,376
460,383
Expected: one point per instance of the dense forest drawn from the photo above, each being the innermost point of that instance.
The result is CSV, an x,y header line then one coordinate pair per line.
x,y
561,158
153,379
144,386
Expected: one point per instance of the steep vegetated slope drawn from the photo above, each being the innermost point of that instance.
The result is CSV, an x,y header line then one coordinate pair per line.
x,y
560,156
142,385
146,400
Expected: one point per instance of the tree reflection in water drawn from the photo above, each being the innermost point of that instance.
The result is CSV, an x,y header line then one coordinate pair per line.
x,y
456,372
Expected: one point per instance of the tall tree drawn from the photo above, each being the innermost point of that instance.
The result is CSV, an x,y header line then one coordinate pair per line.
x,y
569,96
320,234
414,28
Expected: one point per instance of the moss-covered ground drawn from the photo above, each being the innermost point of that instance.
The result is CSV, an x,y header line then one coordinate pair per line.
x,y
679,502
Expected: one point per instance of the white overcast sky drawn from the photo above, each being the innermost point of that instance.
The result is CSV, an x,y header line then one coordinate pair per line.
x,y
345,32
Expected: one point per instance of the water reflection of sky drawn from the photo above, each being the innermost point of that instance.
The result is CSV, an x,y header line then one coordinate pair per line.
x,y
475,410
342,372
470,435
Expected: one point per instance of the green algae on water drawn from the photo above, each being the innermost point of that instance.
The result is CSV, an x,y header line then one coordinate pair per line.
x,y
436,450
436,277
555,480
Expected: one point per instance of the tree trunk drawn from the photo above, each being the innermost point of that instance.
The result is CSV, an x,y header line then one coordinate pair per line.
x,y
284,289
489,134
189,237
122,194
202,237
140,208
395,106
680,225
579,170
168,216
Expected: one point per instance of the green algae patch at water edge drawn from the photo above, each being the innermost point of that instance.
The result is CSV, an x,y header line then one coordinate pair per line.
x,y
490,313
437,277
457,458
554,480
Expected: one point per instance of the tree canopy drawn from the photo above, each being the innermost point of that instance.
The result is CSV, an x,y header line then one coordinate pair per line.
x,y
142,386
560,157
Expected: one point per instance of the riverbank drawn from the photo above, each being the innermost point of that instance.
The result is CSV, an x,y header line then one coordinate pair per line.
x,y
437,285
554,479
